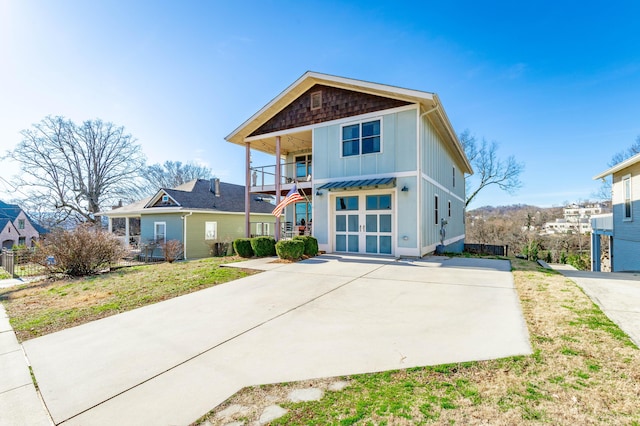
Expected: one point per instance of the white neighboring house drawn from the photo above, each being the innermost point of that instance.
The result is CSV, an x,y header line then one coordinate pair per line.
x,y
623,225
576,219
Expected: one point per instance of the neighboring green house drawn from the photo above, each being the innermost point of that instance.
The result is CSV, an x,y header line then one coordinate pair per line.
x,y
198,213
17,228
381,167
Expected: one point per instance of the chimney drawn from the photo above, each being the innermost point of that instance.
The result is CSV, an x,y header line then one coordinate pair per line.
x,y
215,186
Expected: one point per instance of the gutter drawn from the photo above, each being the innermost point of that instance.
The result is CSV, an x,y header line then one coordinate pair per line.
x,y
184,238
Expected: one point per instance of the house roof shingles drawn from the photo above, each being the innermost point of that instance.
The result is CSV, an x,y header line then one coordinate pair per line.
x,y
197,195
11,212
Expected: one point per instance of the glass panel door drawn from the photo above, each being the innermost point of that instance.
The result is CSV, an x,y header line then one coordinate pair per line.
x,y
363,224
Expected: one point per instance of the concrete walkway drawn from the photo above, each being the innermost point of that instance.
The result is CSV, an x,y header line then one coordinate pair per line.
x,y
616,293
171,362
19,401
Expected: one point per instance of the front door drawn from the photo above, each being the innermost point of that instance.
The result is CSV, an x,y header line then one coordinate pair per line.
x,y
363,224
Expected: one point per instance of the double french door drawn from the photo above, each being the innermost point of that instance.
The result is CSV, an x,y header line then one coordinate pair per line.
x,y
363,224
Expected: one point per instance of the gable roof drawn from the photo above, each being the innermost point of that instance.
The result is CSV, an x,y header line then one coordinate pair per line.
x,y
620,166
196,195
12,211
427,101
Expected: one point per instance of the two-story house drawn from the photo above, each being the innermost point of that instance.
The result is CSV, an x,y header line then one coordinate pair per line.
x,y
622,227
380,167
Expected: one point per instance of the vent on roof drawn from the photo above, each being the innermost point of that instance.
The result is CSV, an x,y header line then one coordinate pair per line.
x,y
215,186
316,100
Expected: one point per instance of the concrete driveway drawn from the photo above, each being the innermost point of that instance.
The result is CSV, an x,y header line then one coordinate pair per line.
x,y
617,294
171,362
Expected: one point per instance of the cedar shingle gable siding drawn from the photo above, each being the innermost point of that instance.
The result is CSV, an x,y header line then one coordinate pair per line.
x,y
336,103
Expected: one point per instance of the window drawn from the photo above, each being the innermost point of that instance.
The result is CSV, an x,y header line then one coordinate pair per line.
x,y
165,198
303,166
435,209
449,208
20,223
303,213
361,138
346,203
160,232
211,230
263,228
454,177
316,100
22,241
626,191
378,202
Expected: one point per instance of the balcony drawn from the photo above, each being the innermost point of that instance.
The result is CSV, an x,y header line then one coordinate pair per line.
x,y
602,223
263,178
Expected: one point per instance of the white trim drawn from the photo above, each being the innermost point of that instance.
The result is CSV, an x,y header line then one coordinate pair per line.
x,y
620,166
438,185
359,123
214,224
155,229
171,210
624,179
363,117
155,198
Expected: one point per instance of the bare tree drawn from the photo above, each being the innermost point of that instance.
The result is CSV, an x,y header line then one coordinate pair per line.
x,y
171,174
490,169
76,170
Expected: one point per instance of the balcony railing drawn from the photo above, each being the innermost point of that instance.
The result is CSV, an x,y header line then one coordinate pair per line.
x,y
602,222
263,177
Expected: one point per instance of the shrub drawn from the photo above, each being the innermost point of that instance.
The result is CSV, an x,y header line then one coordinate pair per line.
x,y
242,247
220,247
263,246
563,257
173,250
82,251
310,244
579,261
290,249
548,257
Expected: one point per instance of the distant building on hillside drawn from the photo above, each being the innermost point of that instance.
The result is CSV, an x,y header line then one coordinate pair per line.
x,y
576,218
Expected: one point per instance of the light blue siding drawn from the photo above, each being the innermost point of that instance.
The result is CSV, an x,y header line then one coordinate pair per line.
x,y
398,152
407,213
174,226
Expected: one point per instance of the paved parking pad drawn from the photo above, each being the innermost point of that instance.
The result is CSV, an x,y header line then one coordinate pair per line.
x,y
172,362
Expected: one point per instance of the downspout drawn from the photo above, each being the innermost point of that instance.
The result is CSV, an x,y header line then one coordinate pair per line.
x,y
420,162
184,238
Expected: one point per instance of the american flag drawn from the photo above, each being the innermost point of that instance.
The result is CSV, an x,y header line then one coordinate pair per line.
x,y
292,197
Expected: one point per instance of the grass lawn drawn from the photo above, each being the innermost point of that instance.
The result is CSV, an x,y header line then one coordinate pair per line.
x,y
584,370
47,306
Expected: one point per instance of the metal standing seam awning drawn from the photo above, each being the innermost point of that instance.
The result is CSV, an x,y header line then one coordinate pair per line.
x,y
387,182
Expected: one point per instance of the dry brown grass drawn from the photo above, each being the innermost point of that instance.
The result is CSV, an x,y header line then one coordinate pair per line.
x,y
584,371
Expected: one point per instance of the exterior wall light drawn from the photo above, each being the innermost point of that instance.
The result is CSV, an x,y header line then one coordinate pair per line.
x,y
405,189
318,193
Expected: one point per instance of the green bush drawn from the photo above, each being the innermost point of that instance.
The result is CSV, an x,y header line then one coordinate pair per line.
x,y
579,261
242,247
290,249
310,244
263,246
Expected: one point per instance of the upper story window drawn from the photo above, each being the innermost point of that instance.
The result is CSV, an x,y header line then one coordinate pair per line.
x,y
454,176
20,223
316,100
626,192
361,138
165,198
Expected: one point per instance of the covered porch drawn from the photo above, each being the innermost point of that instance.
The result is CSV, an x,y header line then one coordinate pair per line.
x,y
601,229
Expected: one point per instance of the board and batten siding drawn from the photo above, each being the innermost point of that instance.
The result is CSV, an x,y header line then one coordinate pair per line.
x,y
398,148
438,178
626,233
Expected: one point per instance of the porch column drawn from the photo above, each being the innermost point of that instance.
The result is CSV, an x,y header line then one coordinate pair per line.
x,y
110,226
126,232
278,185
247,190
595,252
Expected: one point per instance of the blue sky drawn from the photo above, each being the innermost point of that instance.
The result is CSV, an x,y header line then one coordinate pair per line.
x,y
556,84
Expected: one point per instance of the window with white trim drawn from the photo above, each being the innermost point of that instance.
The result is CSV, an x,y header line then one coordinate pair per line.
x,y
165,198
160,232
362,138
626,192
211,230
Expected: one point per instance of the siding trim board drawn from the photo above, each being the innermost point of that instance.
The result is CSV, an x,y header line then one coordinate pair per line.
x,y
440,186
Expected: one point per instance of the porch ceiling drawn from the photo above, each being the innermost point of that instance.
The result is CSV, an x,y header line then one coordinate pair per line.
x,y
295,141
